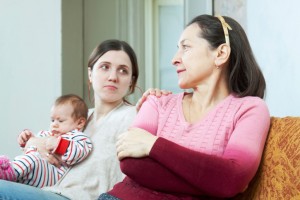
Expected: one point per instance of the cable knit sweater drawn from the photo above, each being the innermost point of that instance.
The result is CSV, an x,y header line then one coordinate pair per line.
x,y
216,156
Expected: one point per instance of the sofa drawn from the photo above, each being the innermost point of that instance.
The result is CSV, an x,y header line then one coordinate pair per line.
x,y
278,176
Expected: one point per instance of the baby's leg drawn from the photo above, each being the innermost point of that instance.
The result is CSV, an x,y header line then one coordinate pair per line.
x,y
6,170
33,170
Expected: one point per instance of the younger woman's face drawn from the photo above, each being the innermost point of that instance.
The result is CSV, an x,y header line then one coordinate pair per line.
x,y
111,76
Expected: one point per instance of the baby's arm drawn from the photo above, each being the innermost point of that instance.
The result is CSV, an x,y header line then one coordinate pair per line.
x,y
73,146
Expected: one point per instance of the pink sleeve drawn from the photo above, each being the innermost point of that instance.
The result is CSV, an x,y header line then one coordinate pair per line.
x,y
147,117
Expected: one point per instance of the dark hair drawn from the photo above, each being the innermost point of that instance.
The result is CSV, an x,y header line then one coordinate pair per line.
x,y
244,74
80,107
117,45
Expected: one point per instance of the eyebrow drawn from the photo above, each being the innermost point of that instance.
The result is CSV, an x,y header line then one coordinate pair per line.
x,y
182,41
109,63
105,62
124,66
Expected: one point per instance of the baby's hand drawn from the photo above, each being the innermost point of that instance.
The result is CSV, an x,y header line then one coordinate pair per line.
x,y
51,143
24,136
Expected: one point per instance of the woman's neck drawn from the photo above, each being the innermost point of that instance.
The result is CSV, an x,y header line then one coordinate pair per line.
x,y
103,108
211,92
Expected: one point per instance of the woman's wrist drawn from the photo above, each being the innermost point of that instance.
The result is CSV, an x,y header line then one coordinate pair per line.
x,y
151,143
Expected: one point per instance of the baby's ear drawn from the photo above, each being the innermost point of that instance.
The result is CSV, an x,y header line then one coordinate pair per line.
x,y
81,123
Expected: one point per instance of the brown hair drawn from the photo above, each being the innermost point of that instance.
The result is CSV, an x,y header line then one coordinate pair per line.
x,y
80,107
244,74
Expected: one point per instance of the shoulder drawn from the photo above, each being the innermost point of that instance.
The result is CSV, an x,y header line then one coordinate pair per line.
x,y
251,106
251,102
164,101
127,109
125,113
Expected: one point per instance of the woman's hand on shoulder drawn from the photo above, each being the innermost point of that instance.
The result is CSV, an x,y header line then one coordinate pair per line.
x,y
152,91
135,143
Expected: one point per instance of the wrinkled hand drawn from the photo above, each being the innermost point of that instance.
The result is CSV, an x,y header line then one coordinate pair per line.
x,y
40,144
24,136
135,143
156,92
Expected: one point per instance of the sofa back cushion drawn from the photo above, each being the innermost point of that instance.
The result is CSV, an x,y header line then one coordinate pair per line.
x,y
278,176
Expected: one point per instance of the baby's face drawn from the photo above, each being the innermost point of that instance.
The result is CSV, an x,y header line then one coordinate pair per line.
x,y
62,120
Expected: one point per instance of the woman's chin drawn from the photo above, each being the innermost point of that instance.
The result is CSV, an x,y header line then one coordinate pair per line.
x,y
183,86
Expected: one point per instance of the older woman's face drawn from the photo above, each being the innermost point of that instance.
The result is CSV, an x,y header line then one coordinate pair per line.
x,y
194,60
111,76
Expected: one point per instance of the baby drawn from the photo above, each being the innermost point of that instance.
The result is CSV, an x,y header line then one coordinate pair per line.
x,y
68,118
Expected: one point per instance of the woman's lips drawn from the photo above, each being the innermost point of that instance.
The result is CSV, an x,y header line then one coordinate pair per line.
x,y
180,70
111,87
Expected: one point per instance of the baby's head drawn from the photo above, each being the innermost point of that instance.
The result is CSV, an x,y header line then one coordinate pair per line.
x,y
68,113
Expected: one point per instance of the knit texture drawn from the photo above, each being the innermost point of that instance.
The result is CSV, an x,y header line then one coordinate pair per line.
x,y
216,156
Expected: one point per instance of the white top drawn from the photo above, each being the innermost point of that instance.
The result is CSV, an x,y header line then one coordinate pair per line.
x,y
100,170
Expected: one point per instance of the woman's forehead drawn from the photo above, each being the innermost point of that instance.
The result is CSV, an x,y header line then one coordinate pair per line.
x,y
190,34
115,57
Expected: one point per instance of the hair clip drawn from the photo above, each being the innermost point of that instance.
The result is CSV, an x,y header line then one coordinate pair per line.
x,y
225,28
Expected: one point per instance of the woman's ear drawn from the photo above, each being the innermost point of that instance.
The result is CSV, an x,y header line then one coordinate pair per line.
x,y
223,54
90,74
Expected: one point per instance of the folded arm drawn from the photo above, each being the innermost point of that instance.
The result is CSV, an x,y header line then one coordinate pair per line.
x,y
194,172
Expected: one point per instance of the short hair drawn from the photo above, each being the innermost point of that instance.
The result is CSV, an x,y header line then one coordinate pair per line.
x,y
80,109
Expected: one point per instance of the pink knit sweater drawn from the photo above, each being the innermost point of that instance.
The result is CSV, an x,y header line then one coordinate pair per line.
x,y
217,156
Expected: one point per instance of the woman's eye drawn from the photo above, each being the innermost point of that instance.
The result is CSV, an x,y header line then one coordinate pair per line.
x,y
104,67
123,71
185,47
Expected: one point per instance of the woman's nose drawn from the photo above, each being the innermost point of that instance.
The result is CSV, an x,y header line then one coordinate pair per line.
x,y
112,76
176,59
